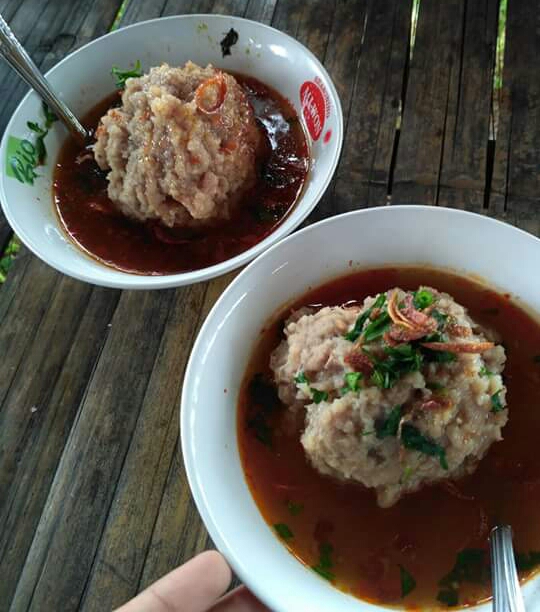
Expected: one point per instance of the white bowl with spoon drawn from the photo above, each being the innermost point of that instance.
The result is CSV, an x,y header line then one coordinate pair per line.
x,y
84,78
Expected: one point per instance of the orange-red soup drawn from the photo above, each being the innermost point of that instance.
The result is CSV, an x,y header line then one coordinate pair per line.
x,y
93,223
435,533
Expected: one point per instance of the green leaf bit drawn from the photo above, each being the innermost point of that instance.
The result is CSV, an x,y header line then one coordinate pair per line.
x,y
389,427
400,360
422,299
408,583
496,405
352,382
301,379
485,372
525,562
325,563
355,332
294,508
470,566
440,317
412,439
283,531
122,76
377,327
263,396
318,396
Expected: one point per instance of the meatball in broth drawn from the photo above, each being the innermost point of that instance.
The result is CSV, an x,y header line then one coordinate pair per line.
x,y
182,146
396,393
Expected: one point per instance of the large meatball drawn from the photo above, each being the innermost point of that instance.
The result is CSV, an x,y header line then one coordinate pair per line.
x,y
181,148
404,391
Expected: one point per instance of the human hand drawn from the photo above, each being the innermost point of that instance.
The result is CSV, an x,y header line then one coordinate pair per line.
x,y
196,586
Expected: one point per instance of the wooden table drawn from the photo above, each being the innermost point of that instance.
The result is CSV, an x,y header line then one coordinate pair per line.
x,y
94,503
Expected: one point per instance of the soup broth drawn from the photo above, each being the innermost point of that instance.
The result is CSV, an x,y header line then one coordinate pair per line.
x,y
431,548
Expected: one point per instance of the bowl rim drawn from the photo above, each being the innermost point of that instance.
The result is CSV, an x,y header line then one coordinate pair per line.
x,y
257,585
127,280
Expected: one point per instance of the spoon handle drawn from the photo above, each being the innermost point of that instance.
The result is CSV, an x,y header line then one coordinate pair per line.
x,y
15,55
507,595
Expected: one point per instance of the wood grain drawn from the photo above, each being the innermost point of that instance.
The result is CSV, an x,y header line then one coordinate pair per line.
x,y
516,183
435,58
363,175
464,161
44,414
59,559
94,502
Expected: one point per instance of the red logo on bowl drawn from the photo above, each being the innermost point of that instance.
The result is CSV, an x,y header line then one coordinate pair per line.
x,y
314,107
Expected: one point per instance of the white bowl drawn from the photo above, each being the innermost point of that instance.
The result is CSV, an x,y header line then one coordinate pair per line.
x,y
83,79
471,244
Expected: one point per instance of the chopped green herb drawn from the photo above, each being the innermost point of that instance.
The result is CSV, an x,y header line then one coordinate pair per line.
x,y
355,332
122,76
470,566
450,597
434,386
262,430
496,405
422,299
408,583
525,562
368,433
389,427
440,317
377,327
318,396
536,359
407,473
294,508
300,379
438,356
262,392
400,360
325,563
352,382
485,372
50,117
412,439
283,531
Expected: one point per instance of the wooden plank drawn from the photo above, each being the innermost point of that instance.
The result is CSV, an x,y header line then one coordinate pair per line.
x,y
22,319
516,184
61,554
436,56
179,532
118,564
464,162
363,174
261,10
47,421
50,344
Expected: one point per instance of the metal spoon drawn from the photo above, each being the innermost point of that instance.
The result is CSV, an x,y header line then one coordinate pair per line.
x,y
15,55
507,596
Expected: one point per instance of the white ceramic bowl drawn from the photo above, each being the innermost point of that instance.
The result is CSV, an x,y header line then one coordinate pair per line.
x,y
471,244
83,79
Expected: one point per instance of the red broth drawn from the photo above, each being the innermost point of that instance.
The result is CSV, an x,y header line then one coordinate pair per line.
x,y
427,530
92,222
